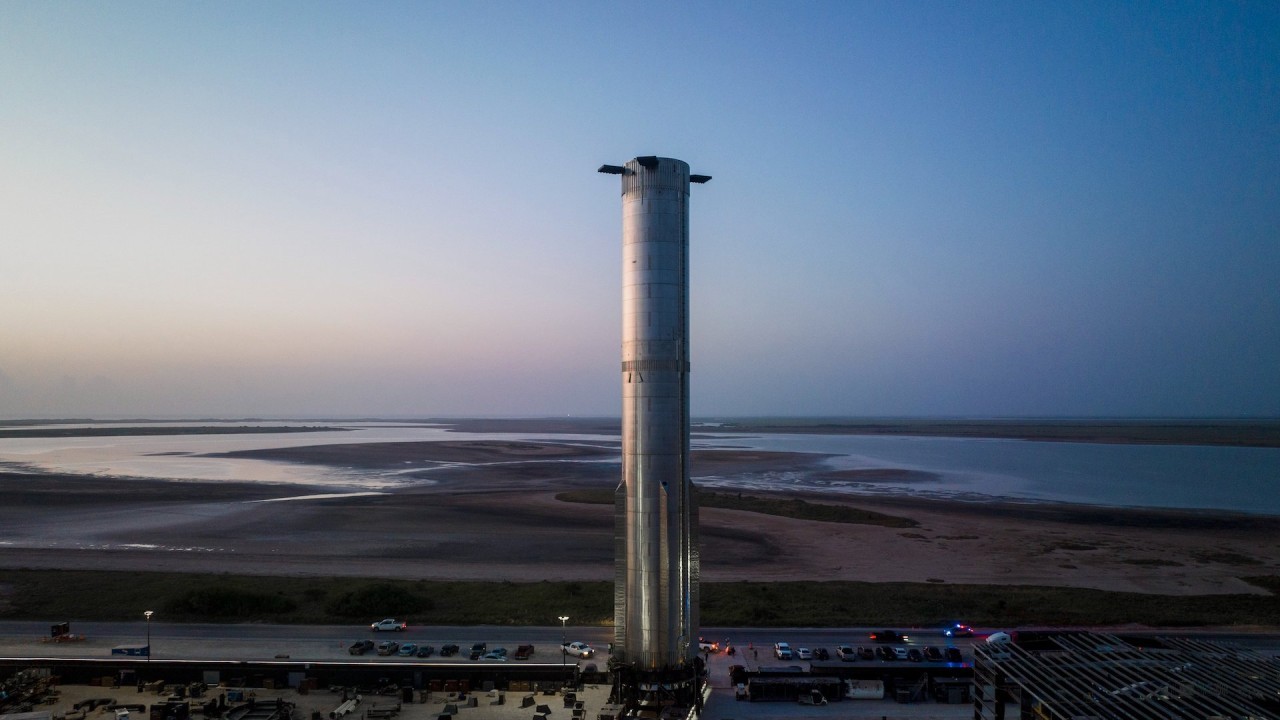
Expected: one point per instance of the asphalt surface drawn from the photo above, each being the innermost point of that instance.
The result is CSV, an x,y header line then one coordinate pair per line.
x,y
331,642
247,641
265,642
321,642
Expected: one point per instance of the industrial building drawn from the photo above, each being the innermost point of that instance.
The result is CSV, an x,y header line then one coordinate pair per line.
x,y
1098,676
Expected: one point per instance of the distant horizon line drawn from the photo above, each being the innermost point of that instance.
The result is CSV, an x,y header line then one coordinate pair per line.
x,y
695,419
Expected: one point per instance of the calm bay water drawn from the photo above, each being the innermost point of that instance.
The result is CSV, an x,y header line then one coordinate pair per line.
x,y
181,457
1173,476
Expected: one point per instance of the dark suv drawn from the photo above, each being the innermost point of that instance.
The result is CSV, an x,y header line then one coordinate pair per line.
x,y
888,636
478,650
360,647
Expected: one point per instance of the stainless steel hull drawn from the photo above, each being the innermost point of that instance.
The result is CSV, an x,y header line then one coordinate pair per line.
x,y
656,544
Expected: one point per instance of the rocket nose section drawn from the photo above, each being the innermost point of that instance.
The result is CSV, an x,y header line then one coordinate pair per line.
x,y
655,166
653,163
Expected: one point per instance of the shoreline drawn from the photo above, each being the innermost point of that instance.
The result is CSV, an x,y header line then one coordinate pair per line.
x,y
1229,432
454,463
505,523
487,509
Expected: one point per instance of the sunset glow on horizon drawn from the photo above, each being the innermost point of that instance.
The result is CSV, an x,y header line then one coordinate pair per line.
x,y
329,209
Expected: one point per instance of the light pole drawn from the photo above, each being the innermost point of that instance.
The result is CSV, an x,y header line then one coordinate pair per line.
x,y
564,651
149,613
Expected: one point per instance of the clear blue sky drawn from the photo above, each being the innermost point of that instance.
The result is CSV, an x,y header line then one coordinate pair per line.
x,y
919,208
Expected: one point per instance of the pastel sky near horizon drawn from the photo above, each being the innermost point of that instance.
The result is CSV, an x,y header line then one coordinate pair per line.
x,y
285,209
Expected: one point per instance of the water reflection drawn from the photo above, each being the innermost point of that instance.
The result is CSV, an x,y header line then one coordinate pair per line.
x,y
183,457
1177,476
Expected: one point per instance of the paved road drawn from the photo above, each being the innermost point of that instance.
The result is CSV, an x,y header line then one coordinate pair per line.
x,y
203,641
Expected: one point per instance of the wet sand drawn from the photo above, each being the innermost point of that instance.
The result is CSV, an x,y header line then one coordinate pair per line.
x,y
497,518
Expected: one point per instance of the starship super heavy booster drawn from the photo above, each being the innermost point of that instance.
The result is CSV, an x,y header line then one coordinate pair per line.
x,y
655,536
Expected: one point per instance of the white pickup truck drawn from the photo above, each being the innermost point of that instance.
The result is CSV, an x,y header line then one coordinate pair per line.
x,y
578,649
390,624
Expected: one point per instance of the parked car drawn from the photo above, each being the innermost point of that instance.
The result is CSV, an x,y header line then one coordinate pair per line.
x,y
495,654
388,647
953,654
914,655
360,647
524,652
899,653
932,654
408,650
782,651
958,630
884,652
578,649
389,624
866,653
888,636
804,654
999,637
479,649
425,650
448,650
821,654
846,653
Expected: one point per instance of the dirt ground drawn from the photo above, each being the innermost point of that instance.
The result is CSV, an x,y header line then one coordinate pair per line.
x,y
497,518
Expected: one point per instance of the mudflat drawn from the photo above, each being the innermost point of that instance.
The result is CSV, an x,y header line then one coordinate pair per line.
x,y
488,510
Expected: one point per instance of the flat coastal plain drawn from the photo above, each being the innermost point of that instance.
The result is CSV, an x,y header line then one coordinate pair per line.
x,y
491,511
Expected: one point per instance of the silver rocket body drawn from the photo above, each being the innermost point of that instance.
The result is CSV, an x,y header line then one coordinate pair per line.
x,y
655,537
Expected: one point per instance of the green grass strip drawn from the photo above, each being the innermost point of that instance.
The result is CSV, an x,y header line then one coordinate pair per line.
x,y
790,507
75,595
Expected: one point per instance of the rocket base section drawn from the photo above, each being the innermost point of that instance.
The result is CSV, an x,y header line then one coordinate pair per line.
x,y
659,690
